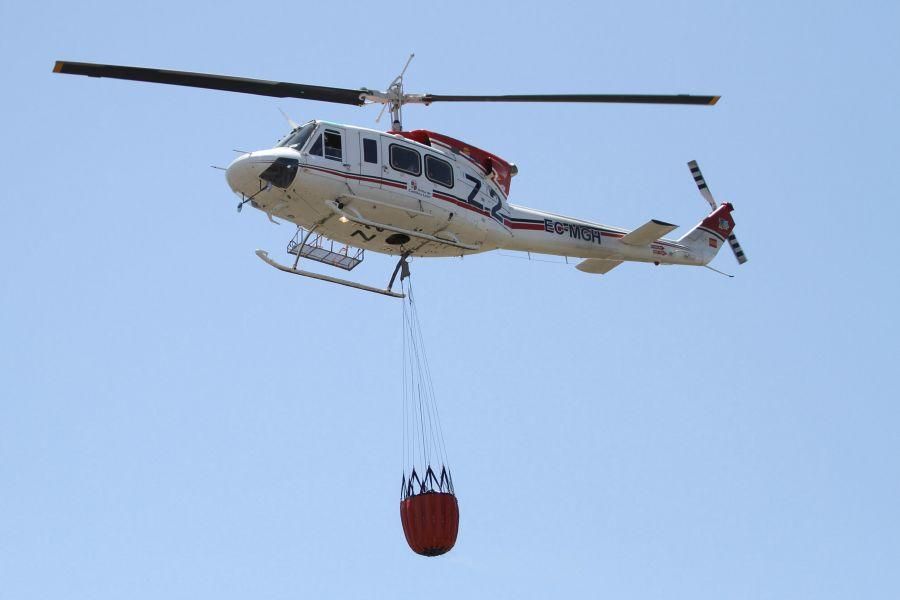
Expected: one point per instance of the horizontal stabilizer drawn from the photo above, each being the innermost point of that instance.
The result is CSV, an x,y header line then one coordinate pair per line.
x,y
598,266
648,232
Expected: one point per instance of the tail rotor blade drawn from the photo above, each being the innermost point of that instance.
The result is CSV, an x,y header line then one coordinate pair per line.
x,y
701,183
736,248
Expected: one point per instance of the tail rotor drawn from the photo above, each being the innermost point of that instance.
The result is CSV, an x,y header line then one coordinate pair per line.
x,y
707,195
736,248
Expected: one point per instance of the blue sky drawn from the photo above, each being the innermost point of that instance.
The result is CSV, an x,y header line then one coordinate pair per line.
x,y
179,420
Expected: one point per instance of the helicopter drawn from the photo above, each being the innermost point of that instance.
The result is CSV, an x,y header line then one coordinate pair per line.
x,y
420,193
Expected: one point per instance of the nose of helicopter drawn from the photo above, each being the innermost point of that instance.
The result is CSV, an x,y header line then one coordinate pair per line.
x,y
243,175
248,172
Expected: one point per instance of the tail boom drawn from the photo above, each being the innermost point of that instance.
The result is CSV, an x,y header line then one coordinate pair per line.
x,y
604,247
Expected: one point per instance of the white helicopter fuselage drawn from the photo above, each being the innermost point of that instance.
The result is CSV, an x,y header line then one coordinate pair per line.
x,y
420,193
389,193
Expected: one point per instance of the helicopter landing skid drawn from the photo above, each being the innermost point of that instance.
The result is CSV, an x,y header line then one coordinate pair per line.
x,y
262,254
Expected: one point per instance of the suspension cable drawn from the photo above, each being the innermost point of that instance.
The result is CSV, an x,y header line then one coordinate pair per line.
x,y
421,417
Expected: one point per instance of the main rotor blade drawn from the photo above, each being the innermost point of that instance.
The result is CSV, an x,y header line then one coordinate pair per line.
x,y
259,87
612,98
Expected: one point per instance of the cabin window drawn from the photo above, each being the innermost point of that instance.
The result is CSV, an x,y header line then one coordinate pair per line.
x,y
370,151
405,160
438,171
333,149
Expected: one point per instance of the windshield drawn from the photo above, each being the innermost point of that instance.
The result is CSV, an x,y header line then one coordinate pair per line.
x,y
298,137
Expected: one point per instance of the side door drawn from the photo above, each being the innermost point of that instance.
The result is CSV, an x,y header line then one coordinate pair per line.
x,y
370,160
402,168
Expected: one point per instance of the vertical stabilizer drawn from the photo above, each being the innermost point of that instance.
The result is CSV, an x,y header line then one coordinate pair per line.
x,y
711,233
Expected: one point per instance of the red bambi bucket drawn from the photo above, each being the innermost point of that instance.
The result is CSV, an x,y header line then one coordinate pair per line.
x,y
430,522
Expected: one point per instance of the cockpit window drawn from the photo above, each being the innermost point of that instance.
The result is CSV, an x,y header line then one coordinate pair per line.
x,y
297,138
333,145
316,148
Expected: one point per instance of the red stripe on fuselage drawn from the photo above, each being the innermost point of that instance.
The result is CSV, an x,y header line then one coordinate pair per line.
x,y
514,225
461,203
357,177
531,226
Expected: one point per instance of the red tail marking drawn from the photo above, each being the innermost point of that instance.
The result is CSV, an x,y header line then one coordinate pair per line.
x,y
720,221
